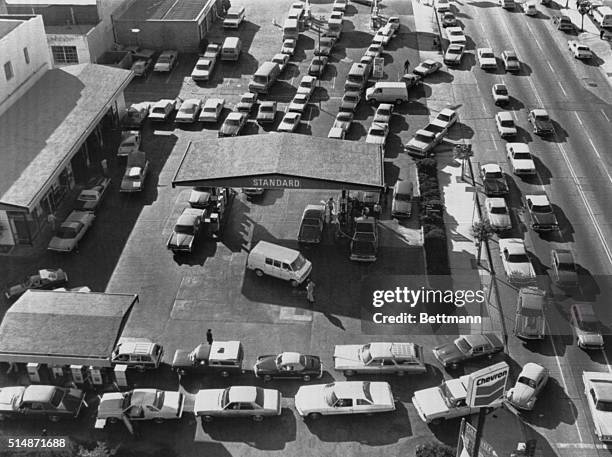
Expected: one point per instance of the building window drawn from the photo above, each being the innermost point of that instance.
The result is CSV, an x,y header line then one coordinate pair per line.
x,y
8,71
26,55
64,54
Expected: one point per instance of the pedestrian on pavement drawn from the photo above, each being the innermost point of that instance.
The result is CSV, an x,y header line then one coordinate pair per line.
x,y
406,66
52,220
377,210
104,164
209,336
310,287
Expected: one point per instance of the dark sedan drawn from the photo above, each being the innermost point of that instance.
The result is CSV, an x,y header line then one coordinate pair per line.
x,y
540,121
317,66
288,365
468,347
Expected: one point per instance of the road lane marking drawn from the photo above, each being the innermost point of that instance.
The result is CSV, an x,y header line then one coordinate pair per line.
x,y
334,82
535,91
561,86
605,115
578,117
582,446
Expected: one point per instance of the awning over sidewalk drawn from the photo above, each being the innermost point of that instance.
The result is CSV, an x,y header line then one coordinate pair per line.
x,y
282,161
64,328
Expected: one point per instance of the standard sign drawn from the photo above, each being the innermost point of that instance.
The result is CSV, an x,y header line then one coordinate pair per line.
x,y
487,387
276,183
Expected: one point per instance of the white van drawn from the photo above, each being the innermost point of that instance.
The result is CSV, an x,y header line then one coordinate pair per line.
x,y
387,92
283,263
230,50
602,16
234,17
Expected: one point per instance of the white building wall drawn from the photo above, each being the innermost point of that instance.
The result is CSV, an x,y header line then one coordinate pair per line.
x,y
78,41
31,35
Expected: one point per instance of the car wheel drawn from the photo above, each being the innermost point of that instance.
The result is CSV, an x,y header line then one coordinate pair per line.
x,y
294,283
207,418
54,418
314,416
401,373
225,374
306,377
267,378
112,420
399,101
373,101
257,418
159,420
348,373
259,273
436,421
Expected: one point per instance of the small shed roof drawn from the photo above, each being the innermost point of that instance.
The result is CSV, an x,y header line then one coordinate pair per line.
x,y
63,328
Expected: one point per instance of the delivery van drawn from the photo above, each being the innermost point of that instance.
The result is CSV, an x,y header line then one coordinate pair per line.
x,y
387,92
230,50
264,77
280,262
602,16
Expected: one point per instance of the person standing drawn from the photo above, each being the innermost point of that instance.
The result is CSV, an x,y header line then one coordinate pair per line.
x,y
104,164
52,220
209,337
406,66
377,210
310,287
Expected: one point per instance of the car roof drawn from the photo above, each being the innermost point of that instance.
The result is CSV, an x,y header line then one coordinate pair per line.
x,y
291,357
518,147
312,210
243,394
532,370
491,168
513,245
279,252
388,106
143,396
202,60
539,112
191,101
447,112
429,61
235,115
505,116
533,298
485,50
225,350
603,390
456,388
267,103
538,199
379,125
39,394
400,350
291,114
213,102
476,339
188,216
308,78
349,389
162,103
454,29
509,52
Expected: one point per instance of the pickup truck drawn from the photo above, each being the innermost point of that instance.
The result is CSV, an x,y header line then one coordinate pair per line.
x,y
364,244
446,401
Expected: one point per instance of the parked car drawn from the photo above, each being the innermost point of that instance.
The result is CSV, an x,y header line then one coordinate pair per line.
x,y
374,50
136,115
350,100
500,94
442,5
521,161
41,401
212,51
498,214
222,357
530,320
166,61
290,122
379,358
299,102
71,231
288,365
246,103
267,112
186,230
237,401
540,121
140,405
203,69
233,124
454,54
511,61
311,225
587,326
563,268
130,141
45,279
493,180
317,65
189,111
516,262
486,59
364,243
142,67
91,196
344,397
281,60
138,354
383,113
455,35
394,22
377,134
427,67
505,124
468,347
449,20
541,213
579,50
342,124
599,399
307,85
324,46
401,205
529,384
211,112
136,171
563,23
529,8
162,110
383,35
288,46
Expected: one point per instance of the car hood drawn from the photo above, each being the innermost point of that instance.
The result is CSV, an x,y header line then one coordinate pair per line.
x,y
86,205
173,402
375,139
488,61
266,116
567,277
452,57
73,400
507,130
131,184
208,400
61,244
181,359
401,206
347,353
199,72
180,240
310,233
430,402
266,363
228,129
603,421
500,220
520,394
418,144
198,197
449,353
153,115
530,325
513,65
310,398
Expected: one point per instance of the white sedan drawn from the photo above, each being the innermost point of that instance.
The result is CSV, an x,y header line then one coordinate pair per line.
x,y
344,397
189,110
166,61
383,113
530,382
520,159
378,133
140,404
498,214
516,262
598,391
579,50
455,35
290,122
237,401
486,59
71,231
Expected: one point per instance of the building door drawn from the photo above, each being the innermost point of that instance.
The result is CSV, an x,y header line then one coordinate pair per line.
x,y
20,227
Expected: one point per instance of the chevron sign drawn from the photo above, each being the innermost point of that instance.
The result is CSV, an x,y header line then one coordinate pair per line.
x,y
487,387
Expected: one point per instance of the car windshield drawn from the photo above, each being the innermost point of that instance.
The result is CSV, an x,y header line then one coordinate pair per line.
x,y
57,397
541,208
128,143
366,391
566,266
261,79
463,345
501,90
383,112
298,263
423,138
377,132
363,246
330,395
184,229
159,110
210,110
588,325
364,354
188,109
290,119
403,197
507,123
456,33
233,122
446,393
518,258
493,175
88,197
487,55
511,58
444,117
542,117
603,405
454,50
499,210
530,312
266,109
225,398
127,401
203,66
163,59
528,382
428,65
317,62
344,117
522,156
66,233
311,222
232,16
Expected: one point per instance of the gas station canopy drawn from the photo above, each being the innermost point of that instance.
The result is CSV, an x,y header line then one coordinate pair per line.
x,y
282,161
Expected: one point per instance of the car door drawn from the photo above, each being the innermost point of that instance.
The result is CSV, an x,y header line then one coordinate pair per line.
x,y
363,406
344,406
